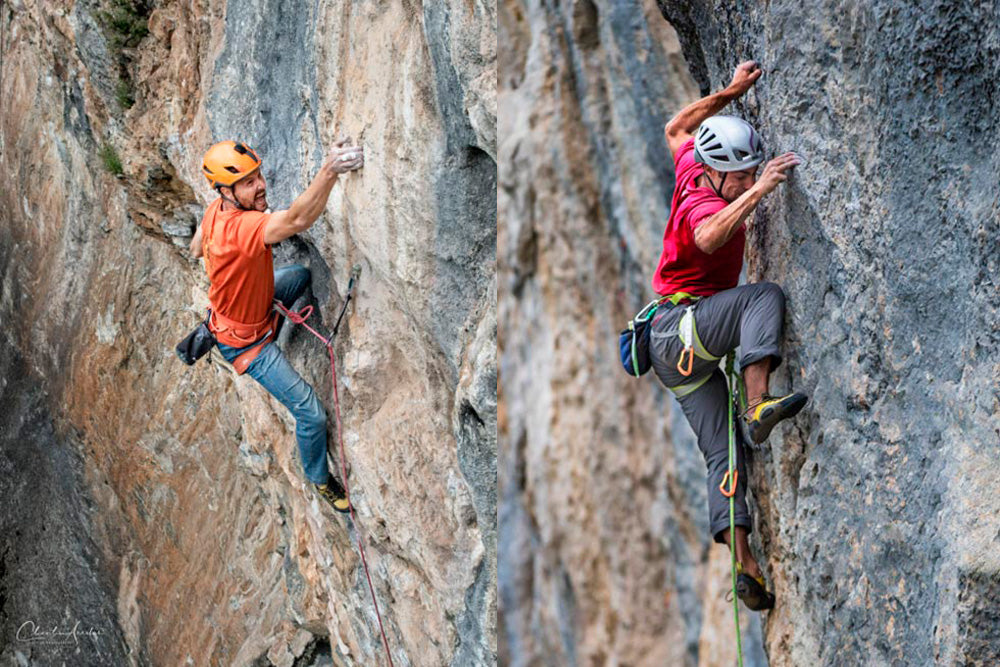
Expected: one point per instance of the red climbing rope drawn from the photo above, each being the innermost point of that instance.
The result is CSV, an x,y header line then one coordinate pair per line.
x,y
300,318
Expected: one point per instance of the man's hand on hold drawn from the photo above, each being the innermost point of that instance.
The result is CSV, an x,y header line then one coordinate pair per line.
x,y
774,171
344,158
744,77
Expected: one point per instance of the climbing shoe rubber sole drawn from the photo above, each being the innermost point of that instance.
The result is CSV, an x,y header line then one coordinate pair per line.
x,y
770,411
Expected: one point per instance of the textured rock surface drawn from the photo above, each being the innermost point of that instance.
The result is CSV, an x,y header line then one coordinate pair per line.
x,y
217,551
47,544
873,510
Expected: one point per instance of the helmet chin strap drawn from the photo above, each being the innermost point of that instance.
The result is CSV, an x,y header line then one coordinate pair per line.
x,y
233,201
718,190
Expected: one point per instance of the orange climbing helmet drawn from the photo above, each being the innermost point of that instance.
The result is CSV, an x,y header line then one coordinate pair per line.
x,y
229,161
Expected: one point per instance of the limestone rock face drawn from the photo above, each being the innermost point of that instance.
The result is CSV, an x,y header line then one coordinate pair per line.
x,y
873,514
216,550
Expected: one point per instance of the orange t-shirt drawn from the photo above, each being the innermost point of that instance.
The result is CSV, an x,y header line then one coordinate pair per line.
x,y
239,264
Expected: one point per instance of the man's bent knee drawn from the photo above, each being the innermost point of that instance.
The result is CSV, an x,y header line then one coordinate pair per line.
x,y
772,292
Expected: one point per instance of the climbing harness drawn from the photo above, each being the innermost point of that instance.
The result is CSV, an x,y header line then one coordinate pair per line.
x,y
300,317
633,340
238,334
688,332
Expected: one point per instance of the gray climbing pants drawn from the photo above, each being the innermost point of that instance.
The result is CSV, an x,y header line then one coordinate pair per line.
x,y
748,316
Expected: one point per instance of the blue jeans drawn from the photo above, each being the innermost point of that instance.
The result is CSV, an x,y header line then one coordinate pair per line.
x,y
272,370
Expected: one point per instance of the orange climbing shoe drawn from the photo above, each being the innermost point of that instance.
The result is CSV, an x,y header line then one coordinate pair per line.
x,y
761,417
333,493
752,591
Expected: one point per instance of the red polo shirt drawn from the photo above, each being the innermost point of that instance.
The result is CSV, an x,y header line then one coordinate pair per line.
x,y
683,267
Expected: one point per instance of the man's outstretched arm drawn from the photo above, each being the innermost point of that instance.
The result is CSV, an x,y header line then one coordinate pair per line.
x,y
681,127
308,206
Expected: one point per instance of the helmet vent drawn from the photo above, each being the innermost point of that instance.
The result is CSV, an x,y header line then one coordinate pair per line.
x,y
231,169
240,148
728,143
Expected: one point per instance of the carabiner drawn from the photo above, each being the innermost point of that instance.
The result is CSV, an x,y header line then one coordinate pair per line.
x,y
680,363
725,478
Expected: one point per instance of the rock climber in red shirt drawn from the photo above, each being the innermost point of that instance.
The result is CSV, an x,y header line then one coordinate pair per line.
x,y
716,159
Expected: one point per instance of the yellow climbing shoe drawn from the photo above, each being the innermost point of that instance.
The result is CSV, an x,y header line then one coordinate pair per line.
x,y
333,493
761,417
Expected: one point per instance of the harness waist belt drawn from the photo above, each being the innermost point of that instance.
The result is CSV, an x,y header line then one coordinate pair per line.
x,y
237,334
242,334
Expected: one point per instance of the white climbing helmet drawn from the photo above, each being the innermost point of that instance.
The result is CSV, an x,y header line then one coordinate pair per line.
x,y
727,143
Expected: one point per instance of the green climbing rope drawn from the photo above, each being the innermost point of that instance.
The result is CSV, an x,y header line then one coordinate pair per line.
x,y
735,394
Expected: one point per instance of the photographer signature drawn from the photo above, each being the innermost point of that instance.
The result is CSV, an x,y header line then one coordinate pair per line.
x,y
31,632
